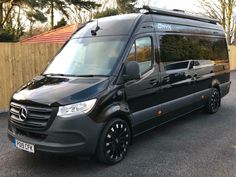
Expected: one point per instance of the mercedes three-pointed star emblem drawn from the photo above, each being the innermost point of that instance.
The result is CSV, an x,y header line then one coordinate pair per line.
x,y
23,114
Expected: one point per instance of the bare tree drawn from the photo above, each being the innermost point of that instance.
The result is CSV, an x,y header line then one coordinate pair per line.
x,y
223,10
144,2
233,38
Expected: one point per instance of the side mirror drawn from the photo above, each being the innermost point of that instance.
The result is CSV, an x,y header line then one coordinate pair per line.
x,y
132,71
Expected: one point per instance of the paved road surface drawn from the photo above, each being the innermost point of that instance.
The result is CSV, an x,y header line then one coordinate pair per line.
x,y
197,145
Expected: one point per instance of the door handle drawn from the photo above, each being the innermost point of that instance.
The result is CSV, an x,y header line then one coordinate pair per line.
x,y
166,79
196,76
153,81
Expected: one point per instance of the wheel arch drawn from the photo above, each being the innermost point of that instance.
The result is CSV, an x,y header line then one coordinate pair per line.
x,y
116,110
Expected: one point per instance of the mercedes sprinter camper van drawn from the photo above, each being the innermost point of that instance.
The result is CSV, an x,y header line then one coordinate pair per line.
x,y
118,77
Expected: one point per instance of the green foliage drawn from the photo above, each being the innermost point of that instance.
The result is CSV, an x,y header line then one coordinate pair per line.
x,y
123,7
14,13
61,23
84,4
36,15
126,6
64,7
7,37
59,5
29,3
106,13
51,5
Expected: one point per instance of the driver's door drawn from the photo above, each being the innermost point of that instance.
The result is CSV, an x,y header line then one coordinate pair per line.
x,y
142,95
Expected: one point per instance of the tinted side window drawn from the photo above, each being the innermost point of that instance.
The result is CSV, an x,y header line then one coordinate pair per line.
x,y
179,48
142,53
220,50
179,52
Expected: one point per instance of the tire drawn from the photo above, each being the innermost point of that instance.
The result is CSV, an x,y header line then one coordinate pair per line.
x,y
114,142
213,102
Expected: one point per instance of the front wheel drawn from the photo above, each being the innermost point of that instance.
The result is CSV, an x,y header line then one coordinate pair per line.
x,y
213,102
114,142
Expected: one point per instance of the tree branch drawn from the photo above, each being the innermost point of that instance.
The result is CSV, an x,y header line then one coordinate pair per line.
x,y
7,15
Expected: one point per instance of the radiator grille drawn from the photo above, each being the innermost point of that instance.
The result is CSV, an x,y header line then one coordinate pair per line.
x,y
37,116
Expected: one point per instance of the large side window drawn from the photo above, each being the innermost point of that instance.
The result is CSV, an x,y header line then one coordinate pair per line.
x,y
142,53
184,52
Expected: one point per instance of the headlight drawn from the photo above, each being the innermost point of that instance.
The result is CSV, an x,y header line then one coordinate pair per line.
x,y
76,109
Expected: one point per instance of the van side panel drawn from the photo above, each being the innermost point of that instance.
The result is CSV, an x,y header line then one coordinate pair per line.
x,y
193,59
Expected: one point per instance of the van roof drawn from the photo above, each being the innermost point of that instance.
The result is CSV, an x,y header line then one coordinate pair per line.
x,y
124,24
181,22
108,26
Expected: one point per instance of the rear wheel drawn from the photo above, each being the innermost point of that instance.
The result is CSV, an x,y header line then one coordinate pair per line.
x,y
213,102
114,142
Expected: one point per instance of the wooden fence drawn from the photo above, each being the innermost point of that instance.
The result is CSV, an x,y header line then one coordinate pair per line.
x,y
232,56
19,63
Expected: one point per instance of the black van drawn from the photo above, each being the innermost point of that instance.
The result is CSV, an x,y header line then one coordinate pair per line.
x,y
118,77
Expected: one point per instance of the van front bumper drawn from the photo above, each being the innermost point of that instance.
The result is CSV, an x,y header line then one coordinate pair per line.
x,y
78,134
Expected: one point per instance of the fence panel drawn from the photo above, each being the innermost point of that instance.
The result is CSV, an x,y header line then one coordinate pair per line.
x,y
19,63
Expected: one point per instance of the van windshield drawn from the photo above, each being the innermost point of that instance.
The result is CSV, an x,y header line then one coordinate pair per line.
x,y
94,56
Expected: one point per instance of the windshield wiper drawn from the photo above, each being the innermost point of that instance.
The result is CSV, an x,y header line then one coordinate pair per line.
x,y
52,74
92,75
73,75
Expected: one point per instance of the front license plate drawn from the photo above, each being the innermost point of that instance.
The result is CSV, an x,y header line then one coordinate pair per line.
x,y
24,146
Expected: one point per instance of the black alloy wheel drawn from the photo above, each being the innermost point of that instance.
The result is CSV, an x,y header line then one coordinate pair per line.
x,y
114,142
213,101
